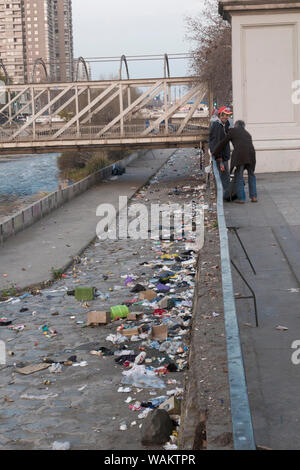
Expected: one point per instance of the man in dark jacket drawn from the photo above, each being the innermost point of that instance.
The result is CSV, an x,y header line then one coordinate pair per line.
x,y
218,132
243,158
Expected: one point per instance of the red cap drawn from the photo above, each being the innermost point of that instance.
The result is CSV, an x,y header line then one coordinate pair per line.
x,y
224,110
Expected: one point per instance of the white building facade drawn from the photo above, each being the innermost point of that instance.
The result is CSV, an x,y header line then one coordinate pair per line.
x,y
266,77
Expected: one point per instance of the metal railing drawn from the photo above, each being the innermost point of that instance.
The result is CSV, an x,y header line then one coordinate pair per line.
x,y
243,435
46,132
138,109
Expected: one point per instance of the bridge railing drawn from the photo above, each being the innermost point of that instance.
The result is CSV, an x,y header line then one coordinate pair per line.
x,y
92,132
138,108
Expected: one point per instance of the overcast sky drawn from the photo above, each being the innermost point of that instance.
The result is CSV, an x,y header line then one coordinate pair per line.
x,y
132,27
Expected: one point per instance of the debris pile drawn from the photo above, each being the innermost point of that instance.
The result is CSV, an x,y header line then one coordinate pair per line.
x,y
134,314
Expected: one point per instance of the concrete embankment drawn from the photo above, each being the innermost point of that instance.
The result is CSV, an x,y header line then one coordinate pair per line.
x,y
53,241
85,404
43,206
206,421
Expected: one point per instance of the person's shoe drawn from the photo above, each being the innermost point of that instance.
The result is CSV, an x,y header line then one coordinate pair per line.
x,y
254,199
239,201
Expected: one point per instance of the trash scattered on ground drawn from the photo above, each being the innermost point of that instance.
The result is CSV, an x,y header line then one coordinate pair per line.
x,y
48,332
118,170
159,332
17,328
133,316
141,316
32,369
5,322
26,396
170,446
116,339
140,376
98,318
129,332
148,295
80,364
84,293
140,358
157,428
119,311
124,390
172,406
61,445
55,368
8,399
281,328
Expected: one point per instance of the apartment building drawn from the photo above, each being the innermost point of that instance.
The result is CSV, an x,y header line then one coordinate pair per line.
x,y
36,29
12,45
63,36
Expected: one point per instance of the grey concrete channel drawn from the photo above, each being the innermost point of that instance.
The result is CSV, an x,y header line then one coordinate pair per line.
x,y
83,404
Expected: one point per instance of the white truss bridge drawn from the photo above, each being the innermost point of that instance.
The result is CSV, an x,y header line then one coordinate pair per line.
x,y
53,117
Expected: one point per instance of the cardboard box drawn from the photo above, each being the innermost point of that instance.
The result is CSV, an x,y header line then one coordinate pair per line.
x,y
148,295
96,318
159,332
172,406
32,369
135,316
132,331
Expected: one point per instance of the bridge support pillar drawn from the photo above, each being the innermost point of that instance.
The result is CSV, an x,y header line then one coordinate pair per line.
x,y
266,74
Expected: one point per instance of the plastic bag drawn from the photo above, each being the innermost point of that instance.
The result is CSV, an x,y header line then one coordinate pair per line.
x,y
170,347
61,445
139,376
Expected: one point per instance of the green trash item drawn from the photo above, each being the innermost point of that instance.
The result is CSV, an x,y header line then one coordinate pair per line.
x,y
84,293
119,311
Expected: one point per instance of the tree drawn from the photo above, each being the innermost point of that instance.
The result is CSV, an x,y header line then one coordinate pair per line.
x,y
65,115
211,56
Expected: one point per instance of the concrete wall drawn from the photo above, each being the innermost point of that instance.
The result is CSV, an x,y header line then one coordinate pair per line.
x,y
266,53
31,214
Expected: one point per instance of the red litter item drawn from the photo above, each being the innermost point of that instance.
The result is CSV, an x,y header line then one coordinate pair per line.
x,y
5,322
135,407
134,301
159,311
161,370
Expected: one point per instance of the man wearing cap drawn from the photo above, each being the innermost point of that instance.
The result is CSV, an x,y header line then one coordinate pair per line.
x,y
243,158
218,132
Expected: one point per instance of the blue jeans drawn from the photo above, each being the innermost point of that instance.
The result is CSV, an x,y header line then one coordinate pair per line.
x,y
239,181
225,178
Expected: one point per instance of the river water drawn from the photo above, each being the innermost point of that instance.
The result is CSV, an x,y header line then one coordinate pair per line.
x,y
24,179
